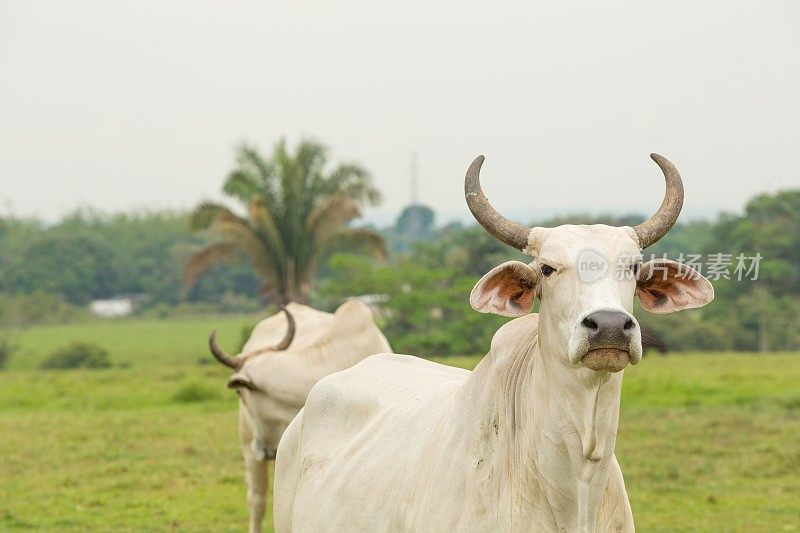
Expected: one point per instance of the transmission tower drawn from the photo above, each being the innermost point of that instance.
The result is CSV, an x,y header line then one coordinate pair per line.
x,y
414,176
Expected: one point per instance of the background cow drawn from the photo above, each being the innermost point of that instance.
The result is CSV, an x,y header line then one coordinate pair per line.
x,y
525,442
284,357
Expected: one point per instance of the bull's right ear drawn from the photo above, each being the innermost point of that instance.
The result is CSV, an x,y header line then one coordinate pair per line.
x,y
507,290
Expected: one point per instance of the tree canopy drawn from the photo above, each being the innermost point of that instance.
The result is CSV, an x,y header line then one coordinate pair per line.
x,y
46,271
297,212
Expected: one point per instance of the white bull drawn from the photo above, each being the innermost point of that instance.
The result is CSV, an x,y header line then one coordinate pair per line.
x,y
284,357
525,442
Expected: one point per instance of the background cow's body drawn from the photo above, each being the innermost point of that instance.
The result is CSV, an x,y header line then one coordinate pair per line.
x,y
456,450
273,385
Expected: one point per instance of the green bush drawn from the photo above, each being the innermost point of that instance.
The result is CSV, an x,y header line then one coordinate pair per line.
x,y
7,349
193,392
78,355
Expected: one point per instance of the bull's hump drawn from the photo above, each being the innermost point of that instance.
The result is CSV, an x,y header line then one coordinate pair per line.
x,y
511,333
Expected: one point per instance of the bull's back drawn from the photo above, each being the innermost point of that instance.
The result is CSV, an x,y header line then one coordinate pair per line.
x,y
362,427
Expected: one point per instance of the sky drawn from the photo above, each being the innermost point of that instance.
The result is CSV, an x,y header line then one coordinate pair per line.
x,y
140,105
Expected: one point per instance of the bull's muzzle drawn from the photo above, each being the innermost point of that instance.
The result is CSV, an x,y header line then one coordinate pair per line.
x,y
609,334
606,359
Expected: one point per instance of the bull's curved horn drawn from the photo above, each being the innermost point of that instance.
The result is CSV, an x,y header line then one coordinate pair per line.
x,y
655,227
509,232
290,330
227,360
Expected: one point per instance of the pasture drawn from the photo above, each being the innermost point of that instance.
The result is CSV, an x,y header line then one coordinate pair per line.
x,y
707,442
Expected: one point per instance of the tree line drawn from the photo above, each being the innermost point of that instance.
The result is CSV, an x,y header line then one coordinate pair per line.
x,y
287,233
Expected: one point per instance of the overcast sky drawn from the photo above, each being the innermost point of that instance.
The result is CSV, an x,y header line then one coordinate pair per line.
x,y
131,105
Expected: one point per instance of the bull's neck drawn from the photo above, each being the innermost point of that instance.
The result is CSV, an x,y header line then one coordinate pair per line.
x,y
560,430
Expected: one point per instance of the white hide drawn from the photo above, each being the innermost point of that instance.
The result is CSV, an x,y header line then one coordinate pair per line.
x,y
525,442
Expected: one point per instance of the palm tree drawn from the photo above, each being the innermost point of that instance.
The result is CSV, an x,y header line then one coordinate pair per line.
x,y
297,214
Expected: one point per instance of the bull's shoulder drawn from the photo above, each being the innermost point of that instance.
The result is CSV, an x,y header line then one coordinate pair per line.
x,y
382,382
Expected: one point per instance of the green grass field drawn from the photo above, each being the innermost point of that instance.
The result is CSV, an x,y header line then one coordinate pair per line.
x,y
707,442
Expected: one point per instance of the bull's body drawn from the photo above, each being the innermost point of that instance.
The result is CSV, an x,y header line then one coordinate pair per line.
x,y
398,443
525,442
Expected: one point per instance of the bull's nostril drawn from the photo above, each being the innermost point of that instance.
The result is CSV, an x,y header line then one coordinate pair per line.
x,y
628,324
589,323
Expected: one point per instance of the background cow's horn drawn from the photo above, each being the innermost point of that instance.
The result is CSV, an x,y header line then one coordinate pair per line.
x,y
507,231
222,357
287,339
655,227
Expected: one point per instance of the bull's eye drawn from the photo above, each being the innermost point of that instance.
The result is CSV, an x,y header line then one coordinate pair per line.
x,y
547,270
635,268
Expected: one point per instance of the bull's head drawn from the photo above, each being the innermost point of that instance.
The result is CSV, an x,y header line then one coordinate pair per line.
x,y
237,362
253,380
586,278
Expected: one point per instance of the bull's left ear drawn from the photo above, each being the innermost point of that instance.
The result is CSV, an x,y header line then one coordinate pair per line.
x,y
665,286
240,381
507,290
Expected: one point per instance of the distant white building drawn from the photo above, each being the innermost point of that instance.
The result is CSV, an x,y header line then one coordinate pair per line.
x,y
374,302
113,307
372,299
